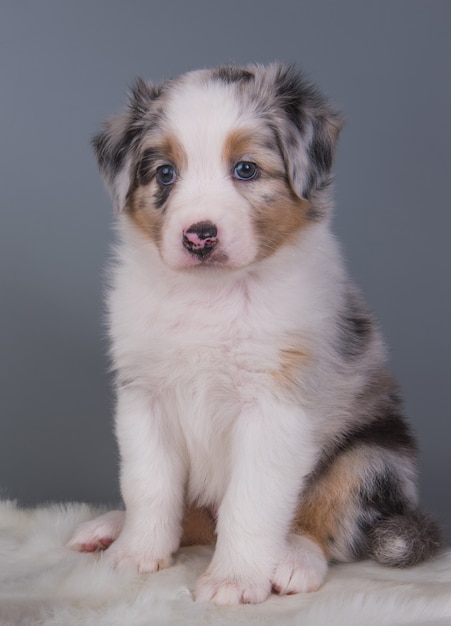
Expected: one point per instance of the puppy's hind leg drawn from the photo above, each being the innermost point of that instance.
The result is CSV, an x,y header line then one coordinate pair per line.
x,y
363,505
302,568
99,533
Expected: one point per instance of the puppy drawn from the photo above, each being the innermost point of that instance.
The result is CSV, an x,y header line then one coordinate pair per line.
x,y
254,405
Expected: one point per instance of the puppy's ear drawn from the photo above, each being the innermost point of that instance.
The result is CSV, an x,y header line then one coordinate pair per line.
x,y
115,147
308,132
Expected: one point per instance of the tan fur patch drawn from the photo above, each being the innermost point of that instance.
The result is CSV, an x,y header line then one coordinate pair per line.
x,y
291,360
328,507
278,217
144,215
237,144
198,527
140,203
278,213
173,151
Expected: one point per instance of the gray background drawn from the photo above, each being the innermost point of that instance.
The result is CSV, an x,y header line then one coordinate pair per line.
x,y
66,65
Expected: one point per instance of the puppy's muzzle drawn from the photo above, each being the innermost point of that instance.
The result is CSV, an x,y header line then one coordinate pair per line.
x,y
200,239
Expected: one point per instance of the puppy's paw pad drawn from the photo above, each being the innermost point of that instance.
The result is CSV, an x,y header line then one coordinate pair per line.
x,y
303,567
224,592
102,543
97,534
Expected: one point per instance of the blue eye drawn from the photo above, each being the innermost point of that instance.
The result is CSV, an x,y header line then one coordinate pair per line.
x,y
245,170
166,174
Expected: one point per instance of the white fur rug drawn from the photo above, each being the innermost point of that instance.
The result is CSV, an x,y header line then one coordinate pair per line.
x,y
43,583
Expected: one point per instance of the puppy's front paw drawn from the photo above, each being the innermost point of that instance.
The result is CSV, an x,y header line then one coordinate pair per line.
x,y
99,533
229,591
303,567
131,555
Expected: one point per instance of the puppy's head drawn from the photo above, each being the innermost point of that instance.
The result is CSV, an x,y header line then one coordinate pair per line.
x,y
221,167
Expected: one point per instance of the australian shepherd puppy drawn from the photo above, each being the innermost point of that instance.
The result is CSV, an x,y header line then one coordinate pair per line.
x,y
254,405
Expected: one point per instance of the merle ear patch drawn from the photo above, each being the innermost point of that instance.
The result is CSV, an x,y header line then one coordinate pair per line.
x,y
141,95
308,140
116,146
111,146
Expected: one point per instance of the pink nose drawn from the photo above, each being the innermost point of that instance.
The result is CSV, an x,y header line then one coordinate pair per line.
x,y
200,238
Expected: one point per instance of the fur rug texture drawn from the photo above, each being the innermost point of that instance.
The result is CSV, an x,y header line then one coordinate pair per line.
x,y
44,583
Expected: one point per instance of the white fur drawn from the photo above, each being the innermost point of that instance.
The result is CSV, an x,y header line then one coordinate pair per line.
x,y
302,568
205,407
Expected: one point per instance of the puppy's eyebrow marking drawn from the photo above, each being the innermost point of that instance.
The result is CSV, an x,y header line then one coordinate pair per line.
x,y
248,143
238,143
172,148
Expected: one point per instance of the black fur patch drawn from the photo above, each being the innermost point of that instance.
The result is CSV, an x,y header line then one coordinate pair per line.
x,y
111,155
389,430
384,498
161,195
232,74
112,147
355,327
145,172
141,95
292,94
384,427
320,149
303,105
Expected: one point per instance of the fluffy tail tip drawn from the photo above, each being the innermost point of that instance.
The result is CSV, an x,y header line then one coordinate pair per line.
x,y
405,540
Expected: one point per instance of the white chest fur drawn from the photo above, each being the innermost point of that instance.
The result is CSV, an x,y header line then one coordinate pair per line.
x,y
202,344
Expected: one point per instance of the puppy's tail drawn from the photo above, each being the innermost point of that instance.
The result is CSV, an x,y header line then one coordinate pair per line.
x,y
405,540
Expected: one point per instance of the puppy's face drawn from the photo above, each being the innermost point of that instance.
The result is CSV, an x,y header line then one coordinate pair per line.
x,y
223,167
210,185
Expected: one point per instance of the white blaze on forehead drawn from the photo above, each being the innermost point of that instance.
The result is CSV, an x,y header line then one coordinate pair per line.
x,y
201,115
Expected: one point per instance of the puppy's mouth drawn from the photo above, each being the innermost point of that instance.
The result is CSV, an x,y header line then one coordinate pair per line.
x,y
211,258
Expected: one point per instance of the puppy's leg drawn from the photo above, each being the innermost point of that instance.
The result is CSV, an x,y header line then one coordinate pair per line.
x,y
99,533
325,524
271,452
152,483
342,498
302,568
346,507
